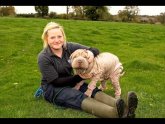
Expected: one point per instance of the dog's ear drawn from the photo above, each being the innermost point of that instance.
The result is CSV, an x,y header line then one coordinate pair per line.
x,y
90,56
72,55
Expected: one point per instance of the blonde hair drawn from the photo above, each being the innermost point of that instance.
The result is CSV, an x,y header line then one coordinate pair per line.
x,y
49,26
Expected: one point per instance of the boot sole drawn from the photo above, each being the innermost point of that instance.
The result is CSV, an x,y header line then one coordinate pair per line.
x,y
120,107
132,104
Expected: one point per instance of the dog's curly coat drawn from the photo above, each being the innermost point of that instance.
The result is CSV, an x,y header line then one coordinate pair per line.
x,y
105,66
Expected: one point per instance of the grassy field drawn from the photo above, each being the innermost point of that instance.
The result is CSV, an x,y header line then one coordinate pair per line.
x,y
140,47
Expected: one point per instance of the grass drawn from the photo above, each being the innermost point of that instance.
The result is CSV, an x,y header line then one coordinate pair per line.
x,y
140,47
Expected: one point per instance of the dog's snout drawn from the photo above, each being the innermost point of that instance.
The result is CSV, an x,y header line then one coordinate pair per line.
x,y
79,61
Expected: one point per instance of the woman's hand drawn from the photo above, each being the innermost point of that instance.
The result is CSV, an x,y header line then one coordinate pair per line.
x,y
95,51
78,85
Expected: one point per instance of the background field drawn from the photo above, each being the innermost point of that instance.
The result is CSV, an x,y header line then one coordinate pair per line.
x,y
140,47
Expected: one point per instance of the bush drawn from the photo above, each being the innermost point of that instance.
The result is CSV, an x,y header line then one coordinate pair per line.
x,y
31,15
52,14
7,11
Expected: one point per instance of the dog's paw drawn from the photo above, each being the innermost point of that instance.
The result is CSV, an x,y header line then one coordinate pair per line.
x,y
117,97
102,88
88,92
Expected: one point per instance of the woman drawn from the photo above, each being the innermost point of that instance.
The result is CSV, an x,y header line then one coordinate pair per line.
x,y
59,83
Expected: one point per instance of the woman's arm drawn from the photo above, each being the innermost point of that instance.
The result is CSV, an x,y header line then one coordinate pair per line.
x,y
50,74
66,81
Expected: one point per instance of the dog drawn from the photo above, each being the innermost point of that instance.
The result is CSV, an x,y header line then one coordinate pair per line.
x,y
103,67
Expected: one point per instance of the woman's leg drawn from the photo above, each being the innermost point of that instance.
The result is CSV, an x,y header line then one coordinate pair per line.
x,y
69,97
102,110
131,105
76,99
105,98
131,102
101,97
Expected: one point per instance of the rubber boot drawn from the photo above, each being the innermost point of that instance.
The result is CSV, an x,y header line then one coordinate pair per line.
x,y
102,110
131,105
105,98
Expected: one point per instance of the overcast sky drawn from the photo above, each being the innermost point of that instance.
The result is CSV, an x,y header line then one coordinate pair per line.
x,y
144,10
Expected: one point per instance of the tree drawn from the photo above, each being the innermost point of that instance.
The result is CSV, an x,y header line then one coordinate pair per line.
x,y
103,13
7,11
67,11
162,18
52,14
42,10
96,12
123,15
129,14
78,11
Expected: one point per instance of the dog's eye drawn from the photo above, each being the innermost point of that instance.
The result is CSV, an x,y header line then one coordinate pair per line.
x,y
73,56
76,55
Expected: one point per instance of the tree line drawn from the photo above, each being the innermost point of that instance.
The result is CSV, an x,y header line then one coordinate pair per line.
x,y
95,13
92,13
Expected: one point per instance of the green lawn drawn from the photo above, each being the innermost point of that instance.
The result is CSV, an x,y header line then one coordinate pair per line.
x,y
140,47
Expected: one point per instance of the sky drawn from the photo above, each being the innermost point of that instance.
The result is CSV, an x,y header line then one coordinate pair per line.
x,y
144,10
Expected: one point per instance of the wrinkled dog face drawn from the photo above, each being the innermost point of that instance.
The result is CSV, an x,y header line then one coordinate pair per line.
x,y
81,59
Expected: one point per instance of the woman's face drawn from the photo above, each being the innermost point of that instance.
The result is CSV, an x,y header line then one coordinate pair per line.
x,y
55,38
